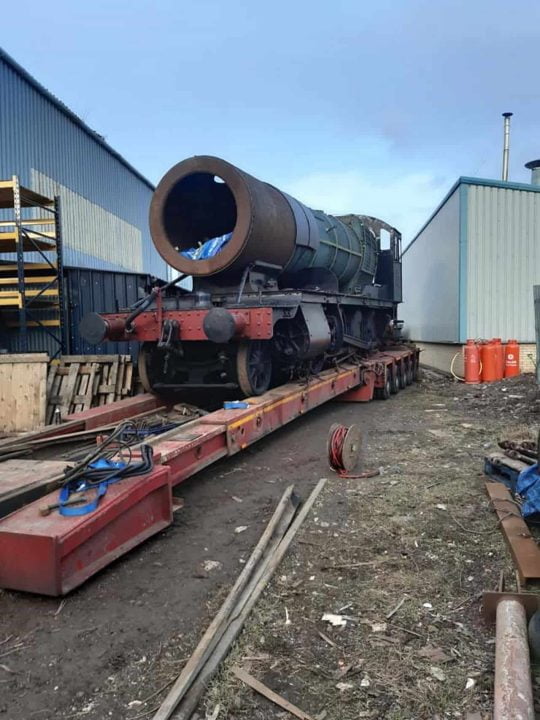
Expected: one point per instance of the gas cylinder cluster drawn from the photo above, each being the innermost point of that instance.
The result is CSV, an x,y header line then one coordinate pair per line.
x,y
490,360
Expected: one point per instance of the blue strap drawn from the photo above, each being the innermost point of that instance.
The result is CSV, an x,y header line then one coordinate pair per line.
x,y
82,486
65,492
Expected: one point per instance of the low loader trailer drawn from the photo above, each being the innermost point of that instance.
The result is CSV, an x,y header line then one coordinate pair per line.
x,y
51,553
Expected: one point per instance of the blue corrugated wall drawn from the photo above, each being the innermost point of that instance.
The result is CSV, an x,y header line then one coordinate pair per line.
x,y
86,291
105,203
91,290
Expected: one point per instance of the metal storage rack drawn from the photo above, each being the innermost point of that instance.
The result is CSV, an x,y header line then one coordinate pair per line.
x,y
31,292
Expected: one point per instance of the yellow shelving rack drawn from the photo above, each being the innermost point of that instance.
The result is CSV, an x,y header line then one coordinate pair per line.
x,y
31,292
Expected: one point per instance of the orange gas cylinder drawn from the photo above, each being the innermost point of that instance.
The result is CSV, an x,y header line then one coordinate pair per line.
x,y
488,356
471,362
511,359
500,357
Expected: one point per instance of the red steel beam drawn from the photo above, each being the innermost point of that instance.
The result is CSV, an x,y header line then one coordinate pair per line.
x,y
94,418
117,411
522,545
53,554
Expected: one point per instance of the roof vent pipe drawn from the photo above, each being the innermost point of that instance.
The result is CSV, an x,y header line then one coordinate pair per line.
x,y
506,146
534,167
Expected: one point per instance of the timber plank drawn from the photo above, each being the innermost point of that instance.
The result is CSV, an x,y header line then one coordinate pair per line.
x,y
23,481
113,375
87,402
53,369
22,391
68,390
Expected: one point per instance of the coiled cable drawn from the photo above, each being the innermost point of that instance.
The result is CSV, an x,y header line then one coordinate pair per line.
x,y
335,455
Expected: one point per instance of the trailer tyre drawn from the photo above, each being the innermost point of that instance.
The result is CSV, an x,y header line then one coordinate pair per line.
x,y
383,393
416,369
394,381
409,371
402,376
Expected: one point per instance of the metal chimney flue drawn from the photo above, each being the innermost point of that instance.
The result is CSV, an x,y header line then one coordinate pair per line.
x,y
506,145
534,167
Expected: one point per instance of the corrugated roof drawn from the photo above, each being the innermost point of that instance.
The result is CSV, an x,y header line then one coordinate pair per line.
x,y
464,180
71,115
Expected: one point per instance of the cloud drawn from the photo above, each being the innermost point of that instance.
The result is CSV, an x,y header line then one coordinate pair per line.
x,y
406,202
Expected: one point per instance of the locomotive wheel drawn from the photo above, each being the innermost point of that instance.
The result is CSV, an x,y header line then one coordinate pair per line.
x,y
316,365
254,367
144,365
156,365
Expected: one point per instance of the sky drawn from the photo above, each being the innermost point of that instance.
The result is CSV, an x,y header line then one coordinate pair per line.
x,y
351,106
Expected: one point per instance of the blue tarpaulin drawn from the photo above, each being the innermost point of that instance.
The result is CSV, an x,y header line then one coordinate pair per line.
x,y
528,486
208,249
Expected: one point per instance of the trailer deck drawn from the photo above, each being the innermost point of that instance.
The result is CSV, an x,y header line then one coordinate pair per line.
x,y
52,555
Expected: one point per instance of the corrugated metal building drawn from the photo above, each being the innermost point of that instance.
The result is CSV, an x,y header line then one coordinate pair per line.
x,y
105,200
470,271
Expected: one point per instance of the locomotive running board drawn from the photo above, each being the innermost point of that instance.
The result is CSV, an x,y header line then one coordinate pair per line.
x,y
54,555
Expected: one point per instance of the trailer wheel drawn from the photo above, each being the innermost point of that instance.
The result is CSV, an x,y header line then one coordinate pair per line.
x,y
394,382
402,376
143,365
416,368
383,393
408,371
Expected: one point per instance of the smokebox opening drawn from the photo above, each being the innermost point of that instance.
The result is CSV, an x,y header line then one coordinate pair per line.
x,y
199,215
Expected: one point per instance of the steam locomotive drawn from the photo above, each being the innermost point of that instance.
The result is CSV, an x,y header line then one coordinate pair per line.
x,y
279,290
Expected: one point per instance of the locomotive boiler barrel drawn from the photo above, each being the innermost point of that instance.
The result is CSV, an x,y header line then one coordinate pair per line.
x,y
208,217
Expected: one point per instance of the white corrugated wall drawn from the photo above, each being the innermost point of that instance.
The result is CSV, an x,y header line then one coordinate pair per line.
x,y
503,262
430,306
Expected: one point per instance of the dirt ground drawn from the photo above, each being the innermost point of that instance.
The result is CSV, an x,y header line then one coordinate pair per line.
x,y
419,540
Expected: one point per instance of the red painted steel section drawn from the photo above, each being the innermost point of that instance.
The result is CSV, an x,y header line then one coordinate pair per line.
x,y
117,411
255,323
187,454
52,555
364,392
96,417
281,405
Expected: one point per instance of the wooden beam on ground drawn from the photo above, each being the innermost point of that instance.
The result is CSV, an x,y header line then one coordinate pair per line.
x,y
525,551
257,583
23,481
217,626
258,686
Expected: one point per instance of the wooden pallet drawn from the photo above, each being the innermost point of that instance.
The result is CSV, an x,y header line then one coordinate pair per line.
x,y
23,379
80,382
503,469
